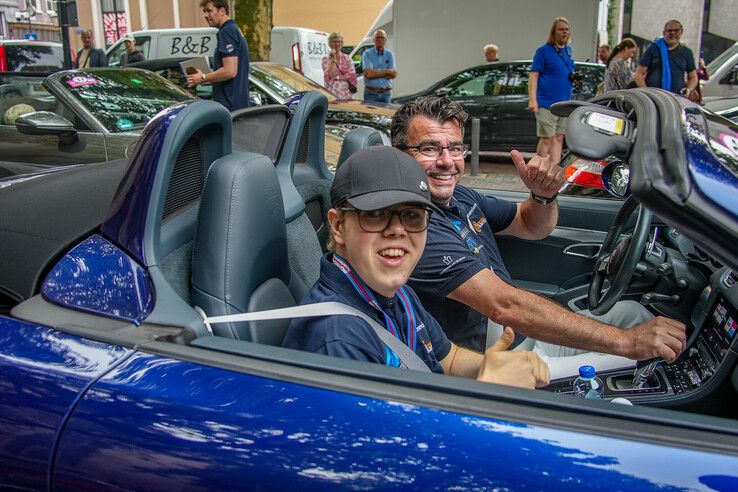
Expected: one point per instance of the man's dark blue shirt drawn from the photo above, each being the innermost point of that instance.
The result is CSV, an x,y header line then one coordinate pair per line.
x,y
232,93
460,244
351,337
681,62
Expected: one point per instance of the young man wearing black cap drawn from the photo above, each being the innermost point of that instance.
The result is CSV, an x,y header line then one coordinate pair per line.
x,y
381,207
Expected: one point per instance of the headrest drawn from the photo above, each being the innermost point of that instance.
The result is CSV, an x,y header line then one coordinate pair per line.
x,y
357,139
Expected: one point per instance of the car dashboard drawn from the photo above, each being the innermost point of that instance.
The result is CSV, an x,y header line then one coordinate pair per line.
x,y
695,379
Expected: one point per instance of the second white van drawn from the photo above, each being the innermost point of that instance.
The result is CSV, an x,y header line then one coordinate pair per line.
x,y
168,43
300,49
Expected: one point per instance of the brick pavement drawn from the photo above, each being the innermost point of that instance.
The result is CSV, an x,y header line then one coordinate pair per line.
x,y
498,174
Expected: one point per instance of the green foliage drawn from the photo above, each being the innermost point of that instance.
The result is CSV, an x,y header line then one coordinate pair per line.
x,y
254,18
612,22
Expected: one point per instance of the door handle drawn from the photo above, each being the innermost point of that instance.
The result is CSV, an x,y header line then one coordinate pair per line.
x,y
583,250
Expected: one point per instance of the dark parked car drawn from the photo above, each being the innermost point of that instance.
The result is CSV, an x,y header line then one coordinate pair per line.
x,y
497,94
110,377
22,55
77,116
272,83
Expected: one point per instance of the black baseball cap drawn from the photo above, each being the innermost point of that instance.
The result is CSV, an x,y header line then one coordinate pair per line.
x,y
379,177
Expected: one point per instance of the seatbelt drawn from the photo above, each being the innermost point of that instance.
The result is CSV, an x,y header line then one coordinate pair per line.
x,y
407,357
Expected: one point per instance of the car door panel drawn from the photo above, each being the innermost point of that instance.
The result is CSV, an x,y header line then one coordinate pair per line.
x,y
47,151
517,123
562,260
47,371
155,421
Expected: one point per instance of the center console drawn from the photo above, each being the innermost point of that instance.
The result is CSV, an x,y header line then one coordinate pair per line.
x,y
710,355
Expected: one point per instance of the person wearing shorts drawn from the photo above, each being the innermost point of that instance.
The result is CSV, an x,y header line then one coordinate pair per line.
x,y
551,79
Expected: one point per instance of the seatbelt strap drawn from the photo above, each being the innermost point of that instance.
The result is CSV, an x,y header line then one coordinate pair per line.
x,y
407,357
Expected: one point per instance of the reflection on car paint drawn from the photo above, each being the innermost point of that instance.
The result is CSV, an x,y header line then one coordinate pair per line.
x,y
99,278
44,371
305,438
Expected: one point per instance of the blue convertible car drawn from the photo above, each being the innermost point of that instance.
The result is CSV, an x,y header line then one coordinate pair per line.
x,y
111,379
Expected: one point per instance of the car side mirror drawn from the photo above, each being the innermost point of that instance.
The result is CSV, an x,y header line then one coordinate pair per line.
x,y
47,123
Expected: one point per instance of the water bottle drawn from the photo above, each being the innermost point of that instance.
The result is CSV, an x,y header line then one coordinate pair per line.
x,y
588,385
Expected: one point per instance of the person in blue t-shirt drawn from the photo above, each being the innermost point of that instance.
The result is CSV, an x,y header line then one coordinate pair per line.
x,y
461,277
230,77
379,216
550,81
666,51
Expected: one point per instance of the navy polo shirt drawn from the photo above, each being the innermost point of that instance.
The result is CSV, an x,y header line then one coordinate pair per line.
x,y
460,244
681,62
351,337
553,65
232,93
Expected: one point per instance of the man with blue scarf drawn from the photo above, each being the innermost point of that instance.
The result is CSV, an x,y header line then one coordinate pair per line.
x,y
381,206
665,63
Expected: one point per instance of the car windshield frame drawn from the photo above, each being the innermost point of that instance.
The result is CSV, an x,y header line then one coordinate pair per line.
x,y
285,82
122,100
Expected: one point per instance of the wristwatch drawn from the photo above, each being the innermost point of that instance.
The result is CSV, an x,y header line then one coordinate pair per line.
x,y
202,77
542,199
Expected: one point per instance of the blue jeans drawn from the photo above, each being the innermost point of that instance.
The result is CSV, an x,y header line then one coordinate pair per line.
x,y
370,96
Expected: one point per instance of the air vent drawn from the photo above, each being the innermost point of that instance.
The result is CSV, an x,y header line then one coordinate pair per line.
x,y
729,279
304,146
185,186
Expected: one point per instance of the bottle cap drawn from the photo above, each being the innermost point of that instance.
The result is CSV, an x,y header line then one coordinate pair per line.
x,y
586,371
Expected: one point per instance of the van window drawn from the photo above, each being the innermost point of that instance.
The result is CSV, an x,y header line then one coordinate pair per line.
x,y
33,58
357,58
142,44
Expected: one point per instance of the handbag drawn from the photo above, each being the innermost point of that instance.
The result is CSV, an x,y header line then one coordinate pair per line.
x,y
351,87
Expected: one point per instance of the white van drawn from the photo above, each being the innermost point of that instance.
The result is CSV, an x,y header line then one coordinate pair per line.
x,y
300,49
723,72
168,43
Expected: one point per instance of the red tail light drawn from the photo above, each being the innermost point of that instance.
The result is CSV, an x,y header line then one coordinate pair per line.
x,y
3,60
296,61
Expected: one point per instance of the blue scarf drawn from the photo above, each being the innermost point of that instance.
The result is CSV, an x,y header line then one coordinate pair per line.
x,y
665,67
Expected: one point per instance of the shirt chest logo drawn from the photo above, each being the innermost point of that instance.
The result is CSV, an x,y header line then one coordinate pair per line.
x,y
477,224
467,236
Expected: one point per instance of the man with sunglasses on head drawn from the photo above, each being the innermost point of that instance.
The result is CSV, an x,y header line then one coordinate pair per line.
x,y
666,62
462,280
379,216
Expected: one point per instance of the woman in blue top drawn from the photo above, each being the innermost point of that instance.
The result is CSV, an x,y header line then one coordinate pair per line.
x,y
550,81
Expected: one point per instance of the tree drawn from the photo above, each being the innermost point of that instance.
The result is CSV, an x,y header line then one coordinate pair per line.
x,y
254,18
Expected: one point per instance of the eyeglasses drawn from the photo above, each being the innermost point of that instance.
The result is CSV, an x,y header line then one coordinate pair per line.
x,y
413,219
672,31
457,151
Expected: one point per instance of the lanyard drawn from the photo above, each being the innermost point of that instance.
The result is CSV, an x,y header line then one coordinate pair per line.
x,y
569,66
367,295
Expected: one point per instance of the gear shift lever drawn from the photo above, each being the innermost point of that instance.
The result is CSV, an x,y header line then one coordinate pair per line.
x,y
644,370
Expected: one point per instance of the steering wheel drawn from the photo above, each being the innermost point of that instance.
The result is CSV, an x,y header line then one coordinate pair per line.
x,y
618,257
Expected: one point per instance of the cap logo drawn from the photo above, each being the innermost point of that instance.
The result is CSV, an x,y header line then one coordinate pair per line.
x,y
423,186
